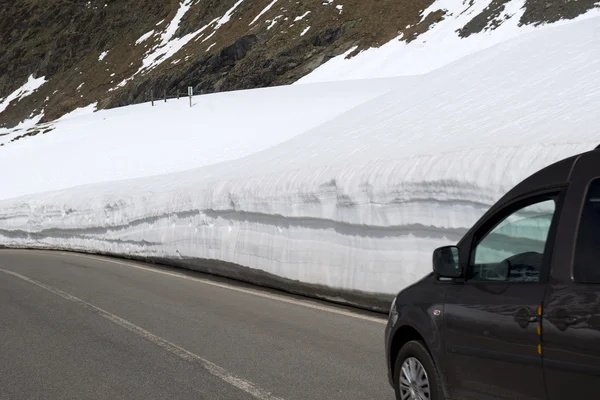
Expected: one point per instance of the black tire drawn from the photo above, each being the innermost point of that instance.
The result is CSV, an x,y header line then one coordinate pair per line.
x,y
417,350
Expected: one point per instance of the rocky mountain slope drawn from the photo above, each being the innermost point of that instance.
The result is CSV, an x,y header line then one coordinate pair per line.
x,y
115,52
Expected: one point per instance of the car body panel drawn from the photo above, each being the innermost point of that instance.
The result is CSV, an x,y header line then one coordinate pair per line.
x,y
571,323
491,347
415,307
491,328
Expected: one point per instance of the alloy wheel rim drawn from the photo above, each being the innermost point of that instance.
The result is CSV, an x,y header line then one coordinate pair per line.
x,y
414,382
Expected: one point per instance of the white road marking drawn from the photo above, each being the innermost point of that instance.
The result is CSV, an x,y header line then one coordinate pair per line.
x,y
180,352
238,289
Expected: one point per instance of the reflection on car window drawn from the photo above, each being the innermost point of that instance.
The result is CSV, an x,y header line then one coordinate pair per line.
x,y
513,250
587,248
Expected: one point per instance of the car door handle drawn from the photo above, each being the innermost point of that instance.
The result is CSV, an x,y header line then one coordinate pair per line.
x,y
525,316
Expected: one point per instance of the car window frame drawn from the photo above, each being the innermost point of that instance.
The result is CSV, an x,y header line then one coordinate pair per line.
x,y
556,194
579,216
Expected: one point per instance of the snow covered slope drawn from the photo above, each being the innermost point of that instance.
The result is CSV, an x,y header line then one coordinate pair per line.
x,y
358,202
444,42
142,140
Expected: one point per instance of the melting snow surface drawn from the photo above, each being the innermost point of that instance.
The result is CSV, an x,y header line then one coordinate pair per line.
x,y
174,24
144,37
28,88
102,55
264,10
227,17
301,17
318,188
273,22
305,31
209,36
170,45
30,122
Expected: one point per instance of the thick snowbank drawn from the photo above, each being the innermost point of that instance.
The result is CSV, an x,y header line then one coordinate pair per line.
x,y
358,202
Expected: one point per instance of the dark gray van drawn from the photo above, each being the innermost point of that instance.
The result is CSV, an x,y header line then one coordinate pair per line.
x,y
513,310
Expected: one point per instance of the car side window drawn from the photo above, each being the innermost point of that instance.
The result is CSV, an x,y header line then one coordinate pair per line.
x,y
513,250
587,248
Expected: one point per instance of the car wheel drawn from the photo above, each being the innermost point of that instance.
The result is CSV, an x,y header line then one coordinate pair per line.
x,y
415,374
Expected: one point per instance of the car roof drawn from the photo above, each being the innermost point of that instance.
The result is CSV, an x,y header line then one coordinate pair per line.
x,y
554,175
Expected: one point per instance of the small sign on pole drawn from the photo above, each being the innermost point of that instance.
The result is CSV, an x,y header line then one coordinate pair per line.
x,y
152,96
190,93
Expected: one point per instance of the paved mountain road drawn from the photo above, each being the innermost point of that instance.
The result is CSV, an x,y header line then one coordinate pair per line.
x,y
75,326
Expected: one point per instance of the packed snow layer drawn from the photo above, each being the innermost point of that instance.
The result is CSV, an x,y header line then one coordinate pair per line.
x,y
437,47
358,202
141,140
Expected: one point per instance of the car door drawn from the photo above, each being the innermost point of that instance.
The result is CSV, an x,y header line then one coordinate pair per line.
x,y
491,320
571,323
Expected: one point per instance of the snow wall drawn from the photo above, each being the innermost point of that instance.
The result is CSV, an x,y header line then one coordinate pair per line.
x,y
353,208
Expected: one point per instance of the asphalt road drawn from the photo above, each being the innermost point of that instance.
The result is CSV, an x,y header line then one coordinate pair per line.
x,y
86,327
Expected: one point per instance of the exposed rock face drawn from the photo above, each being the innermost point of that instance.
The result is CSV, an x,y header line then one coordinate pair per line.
x,y
61,40
94,51
536,12
542,11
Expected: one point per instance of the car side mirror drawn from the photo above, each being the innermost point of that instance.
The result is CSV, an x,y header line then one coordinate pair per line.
x,y
446,262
